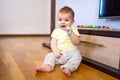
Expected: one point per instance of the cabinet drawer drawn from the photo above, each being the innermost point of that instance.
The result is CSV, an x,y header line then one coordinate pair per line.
x,y
105,50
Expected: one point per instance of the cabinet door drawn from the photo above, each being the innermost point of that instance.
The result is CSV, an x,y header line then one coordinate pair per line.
x,y
105,50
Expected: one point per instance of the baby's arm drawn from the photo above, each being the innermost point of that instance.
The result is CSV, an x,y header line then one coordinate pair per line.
x,y
75,39
54,48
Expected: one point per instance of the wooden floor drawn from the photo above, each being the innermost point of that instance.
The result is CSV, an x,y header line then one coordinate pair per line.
x,y
20,55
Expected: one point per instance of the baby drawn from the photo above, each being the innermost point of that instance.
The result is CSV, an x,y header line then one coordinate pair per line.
x,y
64,45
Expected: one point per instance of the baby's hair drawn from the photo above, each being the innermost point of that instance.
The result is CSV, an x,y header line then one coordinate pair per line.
x,y
66,10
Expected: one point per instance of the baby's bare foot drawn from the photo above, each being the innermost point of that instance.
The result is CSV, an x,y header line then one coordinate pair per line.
x,y
44,68
67,72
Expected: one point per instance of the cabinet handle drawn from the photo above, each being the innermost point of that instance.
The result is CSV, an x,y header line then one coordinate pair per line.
x,y
100,45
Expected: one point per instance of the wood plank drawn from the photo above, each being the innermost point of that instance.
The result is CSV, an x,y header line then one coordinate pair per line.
x,y
12,67
20,55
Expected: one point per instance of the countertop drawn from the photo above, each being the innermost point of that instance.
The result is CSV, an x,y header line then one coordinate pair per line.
x,y
107,33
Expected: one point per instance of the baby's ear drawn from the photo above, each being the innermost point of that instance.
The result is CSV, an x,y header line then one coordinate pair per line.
x,y
73,21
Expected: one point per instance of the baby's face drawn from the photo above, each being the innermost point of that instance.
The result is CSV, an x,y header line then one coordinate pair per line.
x,y
64,20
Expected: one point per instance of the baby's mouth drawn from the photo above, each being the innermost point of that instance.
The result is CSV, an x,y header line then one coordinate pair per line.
x,y
63,26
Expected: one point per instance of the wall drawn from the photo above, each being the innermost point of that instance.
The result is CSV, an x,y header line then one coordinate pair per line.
x,y
25,16
86,13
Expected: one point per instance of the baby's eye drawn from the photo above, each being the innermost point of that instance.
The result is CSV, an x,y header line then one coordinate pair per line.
x,y
66,20
60,19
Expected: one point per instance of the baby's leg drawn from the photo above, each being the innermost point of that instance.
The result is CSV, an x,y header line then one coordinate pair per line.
x,y
72,64
67,72
44,68
48,64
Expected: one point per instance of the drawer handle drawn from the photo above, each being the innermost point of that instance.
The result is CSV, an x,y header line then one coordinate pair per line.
x,y
100,45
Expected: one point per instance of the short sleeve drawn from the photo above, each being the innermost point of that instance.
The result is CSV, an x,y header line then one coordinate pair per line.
x,y
75,30
54,33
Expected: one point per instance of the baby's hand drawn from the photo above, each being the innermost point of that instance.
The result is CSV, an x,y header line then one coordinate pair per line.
x,y
68,28
57,55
